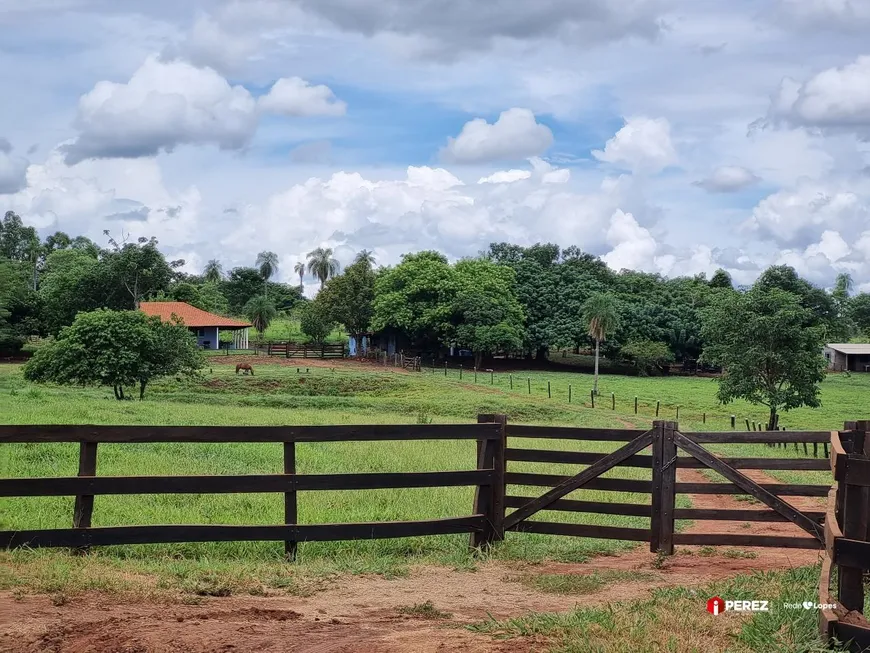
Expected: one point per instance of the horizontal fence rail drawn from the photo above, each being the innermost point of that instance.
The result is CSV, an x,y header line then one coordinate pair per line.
x,y
484,523
112,434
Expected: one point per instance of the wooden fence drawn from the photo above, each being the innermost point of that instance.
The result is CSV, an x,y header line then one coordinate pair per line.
x,y
492,477
296,350
847,538
482,523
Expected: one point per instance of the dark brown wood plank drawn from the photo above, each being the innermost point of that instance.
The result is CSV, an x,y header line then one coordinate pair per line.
x,y
668,489
573,433
572,457
72,485
759,437
726,539
83,509
750,487
116,535
655,527
341,433
597,507
582,530
782,489
291,514
856,506
576,482
683,462
705,514
859,636
852,553
857,472
645,487
484,503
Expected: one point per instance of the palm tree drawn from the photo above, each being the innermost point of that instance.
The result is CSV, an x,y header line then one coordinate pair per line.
x,y
367,256
321,264
267,262
213,271
601,314
299,269
260,311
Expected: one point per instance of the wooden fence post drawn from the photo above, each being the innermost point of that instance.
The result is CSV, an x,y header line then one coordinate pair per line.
x,y
84,504
612,401
489,499
664,475
855,506
291,515
635,405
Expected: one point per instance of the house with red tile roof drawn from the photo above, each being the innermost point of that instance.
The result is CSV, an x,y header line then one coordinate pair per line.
x,y
207,326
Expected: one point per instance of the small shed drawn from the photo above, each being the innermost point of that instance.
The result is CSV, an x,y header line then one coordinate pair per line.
x,y
206,326
848,357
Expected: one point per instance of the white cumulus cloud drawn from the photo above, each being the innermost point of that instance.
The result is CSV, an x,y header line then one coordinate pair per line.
x,y
728,179
165,104
292,96
834,100
642,145
515,135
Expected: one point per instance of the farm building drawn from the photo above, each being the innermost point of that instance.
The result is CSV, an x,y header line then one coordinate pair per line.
x,y
206,326
850,357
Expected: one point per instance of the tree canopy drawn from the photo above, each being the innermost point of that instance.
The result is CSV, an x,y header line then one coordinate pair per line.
x,y
769,344
119,349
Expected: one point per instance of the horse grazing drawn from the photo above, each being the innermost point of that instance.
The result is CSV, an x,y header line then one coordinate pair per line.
x,y
246,368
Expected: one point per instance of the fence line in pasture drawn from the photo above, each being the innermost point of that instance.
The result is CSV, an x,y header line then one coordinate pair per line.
x,y
498,444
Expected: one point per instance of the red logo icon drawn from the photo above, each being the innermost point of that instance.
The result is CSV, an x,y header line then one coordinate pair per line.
x,y
715,605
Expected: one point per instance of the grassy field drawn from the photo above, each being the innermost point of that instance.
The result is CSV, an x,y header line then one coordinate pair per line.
x,y
347,394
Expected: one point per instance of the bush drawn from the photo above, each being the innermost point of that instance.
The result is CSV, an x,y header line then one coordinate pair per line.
x,y
647,355
315,322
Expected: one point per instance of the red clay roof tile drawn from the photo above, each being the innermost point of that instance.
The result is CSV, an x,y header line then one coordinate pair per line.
x,y
191,316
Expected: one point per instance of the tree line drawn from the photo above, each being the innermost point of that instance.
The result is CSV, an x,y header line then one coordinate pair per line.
x,y
522,301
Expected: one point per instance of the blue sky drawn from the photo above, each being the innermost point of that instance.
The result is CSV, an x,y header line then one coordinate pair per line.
x,y
666,135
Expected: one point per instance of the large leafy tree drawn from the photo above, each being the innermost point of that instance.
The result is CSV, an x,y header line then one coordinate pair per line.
x,y
417,296
316,322
75,281
118,349
322,264
349,298
140,268
769,345
601,315
859,312
822,307
487,315
261,312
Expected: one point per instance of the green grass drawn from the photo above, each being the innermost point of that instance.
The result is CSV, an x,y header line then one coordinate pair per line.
x,y
581,583
278,395
675,619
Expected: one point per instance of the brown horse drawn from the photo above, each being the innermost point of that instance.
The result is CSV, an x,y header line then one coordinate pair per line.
x,y
246,368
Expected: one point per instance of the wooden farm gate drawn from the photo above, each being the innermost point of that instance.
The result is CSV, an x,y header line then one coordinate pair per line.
x,y
666,441
847,539
295,350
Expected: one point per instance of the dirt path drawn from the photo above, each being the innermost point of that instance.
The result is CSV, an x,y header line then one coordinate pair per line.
x,y
365,613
